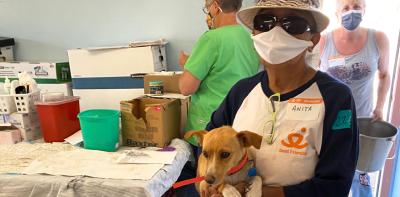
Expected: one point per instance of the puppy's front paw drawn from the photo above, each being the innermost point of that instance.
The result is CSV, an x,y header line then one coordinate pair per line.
x,y
230,191
255,187
203,188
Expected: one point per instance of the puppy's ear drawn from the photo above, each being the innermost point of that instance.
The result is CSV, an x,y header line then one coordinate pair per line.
x,y
247,139
199,134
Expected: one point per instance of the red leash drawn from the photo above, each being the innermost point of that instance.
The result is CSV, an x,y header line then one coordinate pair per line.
x,y
199,179
187,182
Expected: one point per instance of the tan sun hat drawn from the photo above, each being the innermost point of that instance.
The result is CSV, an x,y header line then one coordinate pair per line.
x,y
246,16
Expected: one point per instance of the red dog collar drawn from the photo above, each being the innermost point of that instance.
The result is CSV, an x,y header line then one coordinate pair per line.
x,y
199,179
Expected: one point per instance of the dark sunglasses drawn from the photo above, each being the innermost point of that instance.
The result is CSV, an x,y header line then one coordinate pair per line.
x,y
291,24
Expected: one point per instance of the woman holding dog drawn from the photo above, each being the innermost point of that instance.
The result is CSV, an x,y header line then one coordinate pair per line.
x,y
307,118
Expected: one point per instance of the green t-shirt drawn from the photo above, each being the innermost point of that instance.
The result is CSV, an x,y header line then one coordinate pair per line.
x,y
220,58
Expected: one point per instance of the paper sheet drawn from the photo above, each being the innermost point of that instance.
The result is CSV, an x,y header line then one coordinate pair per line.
x,y
15,158
158,42
146,157
91,163
166,73
169,95
75,138
43,185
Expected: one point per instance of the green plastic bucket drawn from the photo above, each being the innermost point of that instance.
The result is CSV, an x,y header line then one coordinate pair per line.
x,y
100,129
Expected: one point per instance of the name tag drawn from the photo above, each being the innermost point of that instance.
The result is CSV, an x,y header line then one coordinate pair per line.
x,y
303,109
337,61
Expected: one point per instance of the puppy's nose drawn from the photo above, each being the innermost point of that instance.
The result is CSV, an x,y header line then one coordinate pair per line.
x,y
210,179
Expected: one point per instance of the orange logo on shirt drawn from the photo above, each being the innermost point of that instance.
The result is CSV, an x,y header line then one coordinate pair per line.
x,y
295,140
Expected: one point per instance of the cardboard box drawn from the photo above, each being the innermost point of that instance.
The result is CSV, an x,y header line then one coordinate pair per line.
x,y
105,98
10,135
171,91
23,121
41,72
6,49
150,121
184,108
170,81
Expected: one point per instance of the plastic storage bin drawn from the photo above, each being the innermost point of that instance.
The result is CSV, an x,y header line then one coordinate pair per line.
x,y
100,129
25,103
7,104
58,119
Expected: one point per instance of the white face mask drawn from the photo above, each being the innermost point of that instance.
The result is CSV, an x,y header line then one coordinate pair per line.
x,y
277,46
312,58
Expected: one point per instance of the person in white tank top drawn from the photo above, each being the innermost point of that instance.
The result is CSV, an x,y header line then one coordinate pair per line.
x,y
353,54
351,40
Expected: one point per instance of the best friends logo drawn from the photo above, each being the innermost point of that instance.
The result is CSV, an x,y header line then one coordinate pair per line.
x,y
295,143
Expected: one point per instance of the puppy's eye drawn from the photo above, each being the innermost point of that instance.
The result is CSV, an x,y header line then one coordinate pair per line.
x,y
225,155
205,154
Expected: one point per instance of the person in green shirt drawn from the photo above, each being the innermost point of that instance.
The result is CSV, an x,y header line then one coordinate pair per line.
x,y
221,57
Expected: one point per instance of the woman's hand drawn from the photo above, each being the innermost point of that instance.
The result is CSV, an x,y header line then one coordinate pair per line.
x,y
182,59
377,114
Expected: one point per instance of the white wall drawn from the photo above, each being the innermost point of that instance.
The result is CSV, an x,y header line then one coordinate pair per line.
x,y
45,29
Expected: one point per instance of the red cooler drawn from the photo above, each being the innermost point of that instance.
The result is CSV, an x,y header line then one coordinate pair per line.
x,y
59,119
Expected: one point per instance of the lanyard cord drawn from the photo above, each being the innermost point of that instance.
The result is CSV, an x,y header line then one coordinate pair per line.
x,y
270,137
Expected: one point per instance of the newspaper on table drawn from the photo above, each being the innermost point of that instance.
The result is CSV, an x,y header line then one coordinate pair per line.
x,y
143,156
91,163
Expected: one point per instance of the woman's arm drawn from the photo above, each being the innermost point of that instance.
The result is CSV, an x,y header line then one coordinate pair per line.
x,y
188,83
383,73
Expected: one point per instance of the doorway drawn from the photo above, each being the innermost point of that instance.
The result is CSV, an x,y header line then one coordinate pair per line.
x,y
382,15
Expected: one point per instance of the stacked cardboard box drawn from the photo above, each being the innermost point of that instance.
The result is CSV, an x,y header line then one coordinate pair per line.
x,y
170,81
155,120
149,121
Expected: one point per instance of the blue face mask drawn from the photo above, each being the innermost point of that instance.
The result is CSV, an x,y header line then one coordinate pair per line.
x,y
351,19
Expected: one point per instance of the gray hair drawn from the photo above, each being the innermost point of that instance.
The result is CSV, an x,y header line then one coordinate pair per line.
x,y
228,5
340,2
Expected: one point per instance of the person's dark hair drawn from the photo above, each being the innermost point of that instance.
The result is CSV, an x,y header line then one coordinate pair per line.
x,y
230,5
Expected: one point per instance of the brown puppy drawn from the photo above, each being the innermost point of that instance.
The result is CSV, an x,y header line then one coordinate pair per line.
x,y
222,149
